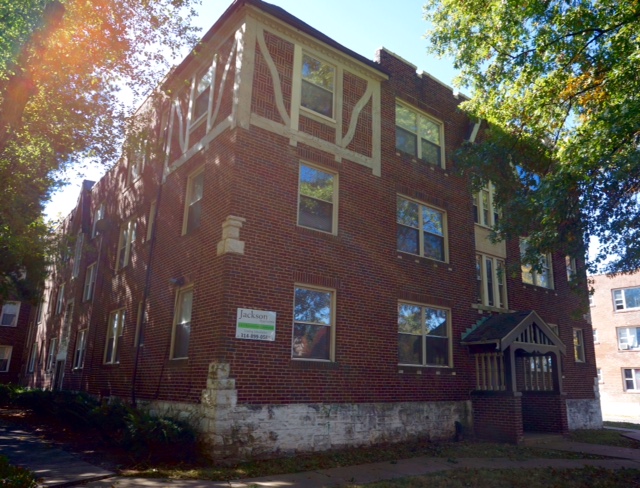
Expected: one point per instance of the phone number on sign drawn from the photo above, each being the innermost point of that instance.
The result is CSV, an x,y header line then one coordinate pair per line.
x,y
261,337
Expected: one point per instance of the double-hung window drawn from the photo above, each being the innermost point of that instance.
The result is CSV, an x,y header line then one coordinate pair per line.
x,y
544,277
313,324
33,358
317,208
424,335
631,377
127,238
115,328
572,268
60,301
77,255
10,312
81,347
51,357
201,95
89,282
318,86
98,215
490,274
626,299
193,202
5,358
485,212
629,338
137,157
421,230
578,345
182,324
419,135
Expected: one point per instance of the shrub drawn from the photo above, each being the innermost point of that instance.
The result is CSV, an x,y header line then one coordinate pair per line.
x,y
14,476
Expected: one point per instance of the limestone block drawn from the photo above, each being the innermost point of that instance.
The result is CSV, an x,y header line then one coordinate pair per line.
x,y
228,384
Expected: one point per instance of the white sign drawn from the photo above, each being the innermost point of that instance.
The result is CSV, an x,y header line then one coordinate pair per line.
x,y
256,325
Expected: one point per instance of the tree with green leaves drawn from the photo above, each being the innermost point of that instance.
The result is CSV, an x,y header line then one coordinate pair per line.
x,y
557,83
62,66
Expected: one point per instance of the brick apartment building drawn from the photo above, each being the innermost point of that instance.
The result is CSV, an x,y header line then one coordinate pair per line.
x,y
14,323
298,267
615,314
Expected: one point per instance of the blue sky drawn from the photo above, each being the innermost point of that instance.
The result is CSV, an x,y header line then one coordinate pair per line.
x,y
361,25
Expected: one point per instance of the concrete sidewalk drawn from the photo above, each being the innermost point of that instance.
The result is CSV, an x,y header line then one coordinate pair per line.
x,y
53,466
56,467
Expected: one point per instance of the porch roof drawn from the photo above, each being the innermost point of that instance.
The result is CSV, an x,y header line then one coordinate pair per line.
x,y
526,328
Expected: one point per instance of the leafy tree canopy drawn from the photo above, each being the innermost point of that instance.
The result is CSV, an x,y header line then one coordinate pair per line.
x,y
62,64
558,83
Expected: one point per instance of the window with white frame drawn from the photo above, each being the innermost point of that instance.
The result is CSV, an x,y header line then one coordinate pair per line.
x,y
60,301
201,95
317,207
193,202
5,358
81,346
33,358
182,324
628,338
490,274
631,378
578,345
77,255
423,335
572,268
595,336
127,238
592,302
318,86
10,313
600,377
421,229
151,220
98,215
544,277
40,308
626,298
485,212
51,356
136,157
419,135
89,282
313,324
115,329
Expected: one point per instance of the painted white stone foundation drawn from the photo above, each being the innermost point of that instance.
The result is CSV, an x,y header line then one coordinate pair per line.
x,y
236,431
584,414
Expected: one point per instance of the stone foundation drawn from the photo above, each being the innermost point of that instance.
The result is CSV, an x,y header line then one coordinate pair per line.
x,y
237,431
584,414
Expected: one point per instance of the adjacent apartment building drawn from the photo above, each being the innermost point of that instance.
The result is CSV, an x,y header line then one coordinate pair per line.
x,y
287,257
615,312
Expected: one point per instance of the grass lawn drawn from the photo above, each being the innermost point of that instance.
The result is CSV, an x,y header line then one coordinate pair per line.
x,y
605,437
354,456
587,477
622,425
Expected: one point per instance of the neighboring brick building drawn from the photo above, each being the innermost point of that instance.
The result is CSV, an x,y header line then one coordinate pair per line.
x,y
14,323
297,266
615,315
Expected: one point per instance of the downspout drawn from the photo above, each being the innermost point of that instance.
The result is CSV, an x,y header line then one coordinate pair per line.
x,y
147,283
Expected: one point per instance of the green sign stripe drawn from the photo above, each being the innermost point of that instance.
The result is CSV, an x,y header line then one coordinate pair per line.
x,y
245,325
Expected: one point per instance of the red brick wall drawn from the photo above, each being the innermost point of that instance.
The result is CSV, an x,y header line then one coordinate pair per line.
x,y
498,416
544,412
